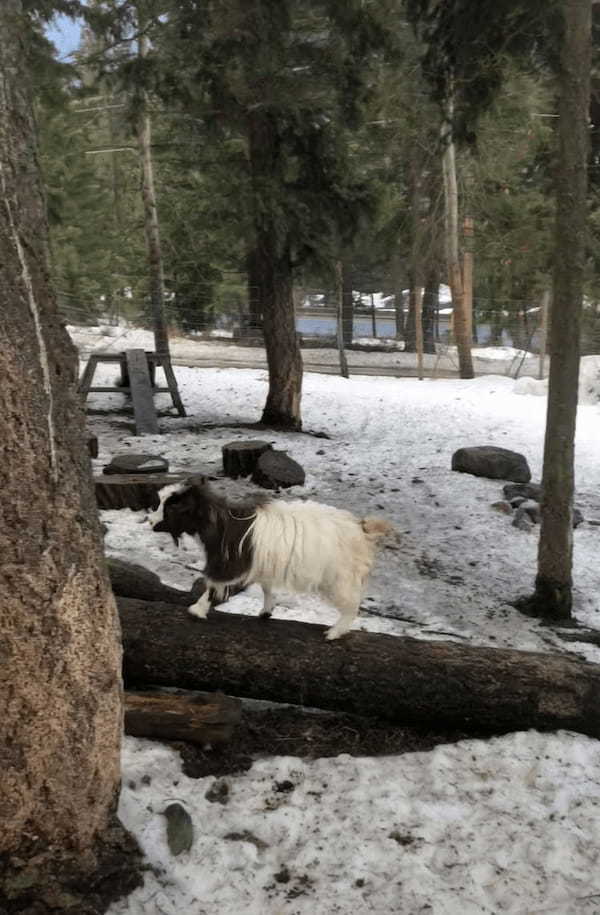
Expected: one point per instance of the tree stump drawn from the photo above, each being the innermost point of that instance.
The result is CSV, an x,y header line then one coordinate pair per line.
x,y
201,718
276,470
135,491
240,458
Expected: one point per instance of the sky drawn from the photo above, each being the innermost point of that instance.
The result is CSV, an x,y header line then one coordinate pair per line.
x,y
65,34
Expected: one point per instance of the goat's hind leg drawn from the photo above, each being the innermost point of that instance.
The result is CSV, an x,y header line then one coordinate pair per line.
x,y
347,602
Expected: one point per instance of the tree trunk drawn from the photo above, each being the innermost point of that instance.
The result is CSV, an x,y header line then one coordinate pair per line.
x,y
347,306
252,327
151,226
60,725
339,298
431,304
399,679
274,277
553,586
460,318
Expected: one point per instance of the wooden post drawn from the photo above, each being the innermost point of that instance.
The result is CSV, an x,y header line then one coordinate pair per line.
x,y
419,330
339,301
546,297
373,317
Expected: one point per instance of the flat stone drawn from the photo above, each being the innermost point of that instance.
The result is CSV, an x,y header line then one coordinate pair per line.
x,y
137,463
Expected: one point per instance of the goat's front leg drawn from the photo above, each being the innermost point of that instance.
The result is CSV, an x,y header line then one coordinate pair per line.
x,y
269,602
202,606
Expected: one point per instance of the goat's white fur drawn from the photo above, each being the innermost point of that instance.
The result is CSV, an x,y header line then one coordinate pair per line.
x,y
304,547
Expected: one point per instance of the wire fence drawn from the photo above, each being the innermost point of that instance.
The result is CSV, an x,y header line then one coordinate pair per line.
x,y
503,343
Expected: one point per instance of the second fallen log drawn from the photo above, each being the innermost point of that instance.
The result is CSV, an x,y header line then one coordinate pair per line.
x,y
201,718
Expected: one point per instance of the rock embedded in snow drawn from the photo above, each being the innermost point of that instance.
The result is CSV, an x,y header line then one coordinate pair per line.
x,y
523,490
523,520
502,507
180,829
492,462
137,463
276,470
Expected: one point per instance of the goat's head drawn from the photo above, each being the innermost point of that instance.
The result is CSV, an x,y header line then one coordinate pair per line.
x,y
185,508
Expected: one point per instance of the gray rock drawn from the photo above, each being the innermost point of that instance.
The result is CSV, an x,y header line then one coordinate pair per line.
x,y
137,463
522,520
180,829
522,491
492,462
276,470
503,507
533,509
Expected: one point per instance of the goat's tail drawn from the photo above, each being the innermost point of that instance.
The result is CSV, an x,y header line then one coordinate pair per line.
x,y
376,528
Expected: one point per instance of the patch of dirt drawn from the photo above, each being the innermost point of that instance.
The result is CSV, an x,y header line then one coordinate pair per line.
x,y
295,732
35,880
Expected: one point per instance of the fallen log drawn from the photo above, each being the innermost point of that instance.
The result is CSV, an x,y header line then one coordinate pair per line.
x,y
402,680
130,580
200,718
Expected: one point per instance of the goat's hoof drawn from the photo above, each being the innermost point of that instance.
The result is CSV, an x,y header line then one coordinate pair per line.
x,y
334,633
199,612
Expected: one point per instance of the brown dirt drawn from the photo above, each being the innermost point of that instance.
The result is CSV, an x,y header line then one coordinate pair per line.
x,y
295,732
35,881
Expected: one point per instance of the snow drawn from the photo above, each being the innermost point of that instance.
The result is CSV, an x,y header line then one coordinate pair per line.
x,y
503,825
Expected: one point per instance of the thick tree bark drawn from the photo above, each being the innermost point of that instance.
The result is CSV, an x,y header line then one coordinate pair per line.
x,y
399,679
553,586
274,278
60,682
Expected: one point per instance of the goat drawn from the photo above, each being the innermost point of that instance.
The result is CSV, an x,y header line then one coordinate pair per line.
x,y
300,546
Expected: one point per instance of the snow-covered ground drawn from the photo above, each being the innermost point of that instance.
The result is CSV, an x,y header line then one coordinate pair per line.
x,y
505,825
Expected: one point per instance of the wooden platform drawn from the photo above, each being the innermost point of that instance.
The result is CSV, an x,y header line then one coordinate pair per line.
x,y
138,370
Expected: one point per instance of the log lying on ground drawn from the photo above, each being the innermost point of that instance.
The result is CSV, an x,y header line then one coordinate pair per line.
x,y
130,580
201,718
403,680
